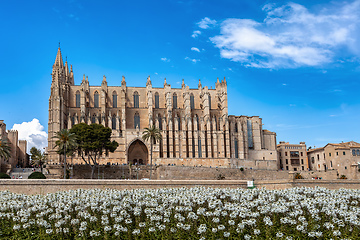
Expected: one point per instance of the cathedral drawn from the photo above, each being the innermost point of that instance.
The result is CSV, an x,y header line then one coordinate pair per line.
x,y
194,122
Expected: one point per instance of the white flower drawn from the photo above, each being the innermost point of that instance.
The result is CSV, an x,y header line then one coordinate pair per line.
x,y
49,231
136,232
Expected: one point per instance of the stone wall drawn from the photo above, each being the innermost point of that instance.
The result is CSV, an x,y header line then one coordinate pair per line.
x,y
31,186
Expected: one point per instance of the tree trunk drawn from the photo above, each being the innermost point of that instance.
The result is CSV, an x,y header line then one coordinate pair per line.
x,y
151,149
64,162
92,171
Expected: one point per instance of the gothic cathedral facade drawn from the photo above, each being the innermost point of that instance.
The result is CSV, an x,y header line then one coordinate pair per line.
x,y
195,126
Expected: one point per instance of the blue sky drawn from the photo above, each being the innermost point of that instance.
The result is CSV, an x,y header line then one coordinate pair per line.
x,y
294,64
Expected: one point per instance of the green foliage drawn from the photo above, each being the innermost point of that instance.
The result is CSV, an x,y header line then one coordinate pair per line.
x,y
92,141
153,134
37,157
4,175
343,177
241,169
36,175
66,142
298,176
5,148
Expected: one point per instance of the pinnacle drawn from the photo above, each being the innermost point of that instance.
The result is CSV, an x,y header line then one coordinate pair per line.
x,y
59,60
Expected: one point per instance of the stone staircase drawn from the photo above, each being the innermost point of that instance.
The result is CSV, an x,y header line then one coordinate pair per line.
x,y
22,173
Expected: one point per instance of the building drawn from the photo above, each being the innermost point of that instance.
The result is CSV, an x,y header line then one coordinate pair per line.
x,y
18,157
343,157
195,125
292,156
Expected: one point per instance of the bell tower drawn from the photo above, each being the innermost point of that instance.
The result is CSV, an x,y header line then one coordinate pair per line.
x,y
62,79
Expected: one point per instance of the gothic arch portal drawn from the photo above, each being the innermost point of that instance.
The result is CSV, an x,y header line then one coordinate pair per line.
x,y
137,153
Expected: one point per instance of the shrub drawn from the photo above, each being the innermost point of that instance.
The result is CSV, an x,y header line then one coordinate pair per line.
x,y
37,175
298,176
4,175
343,177
241,169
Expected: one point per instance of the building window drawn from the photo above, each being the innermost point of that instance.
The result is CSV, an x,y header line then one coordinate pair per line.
x,y
93,119
77,99
174,101
156,100
285,153
236,127
199,148
353,152
137,120
318,157
192,103
287,168
302,161
294,154
96,99
345,167
357,152
113,122
286,161
337,153
136,100
209,102
331,164
312,160
302,168
343,152
250,135
160,121
236,149
301,153
114,100
329,154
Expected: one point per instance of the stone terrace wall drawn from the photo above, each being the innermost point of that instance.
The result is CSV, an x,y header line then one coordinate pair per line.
x,y
27,186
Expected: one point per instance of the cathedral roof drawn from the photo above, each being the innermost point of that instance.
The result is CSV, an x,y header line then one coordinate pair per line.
x,y
59,60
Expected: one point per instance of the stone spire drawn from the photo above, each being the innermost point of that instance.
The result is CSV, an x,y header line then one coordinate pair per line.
x,y
199,86
183,84
59,60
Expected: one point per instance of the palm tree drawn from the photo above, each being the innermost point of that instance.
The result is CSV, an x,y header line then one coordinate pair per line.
x,y
38,158
153,134
4,148
66,142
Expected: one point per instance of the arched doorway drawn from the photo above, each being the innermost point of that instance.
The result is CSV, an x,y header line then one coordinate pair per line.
x,y
137,153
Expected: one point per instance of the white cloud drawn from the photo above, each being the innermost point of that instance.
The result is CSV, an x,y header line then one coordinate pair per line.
x,y
164,59
33,132
206,23
195,33
195,49
192,60
291,36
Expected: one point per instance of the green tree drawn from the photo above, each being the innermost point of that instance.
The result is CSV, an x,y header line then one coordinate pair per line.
x,y
66,143
92,141
5,148
153,134
37,157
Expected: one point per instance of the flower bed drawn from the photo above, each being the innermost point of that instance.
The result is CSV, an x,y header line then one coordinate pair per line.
x,y
182,213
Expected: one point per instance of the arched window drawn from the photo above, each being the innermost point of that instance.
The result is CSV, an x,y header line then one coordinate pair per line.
x,y
96,99
199,147
178,120
156,100
209,102
197,120
114,99
136,100
73,120
137,120
174,101
77,99
236,127
236,148
160,121
192,103
113,122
